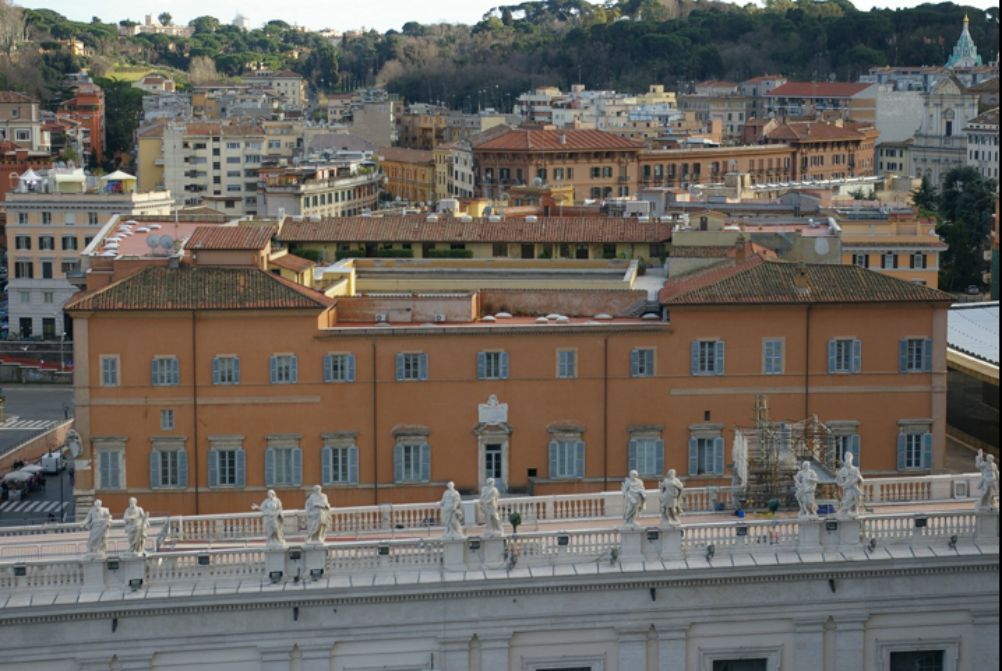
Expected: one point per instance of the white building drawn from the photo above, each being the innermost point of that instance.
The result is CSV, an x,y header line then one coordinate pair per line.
x,y
940,143
904,589
51,218
983,143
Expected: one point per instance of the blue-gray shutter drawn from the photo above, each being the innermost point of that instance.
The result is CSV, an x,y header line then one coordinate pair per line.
x,y
274,369
236,370
694,357
504,365
631,456
241,467
269,467
481,365
423,366
213,468
903,355
831,355
927,355
155,480
853,447
693,456
153,372
398,459
294,368
215,370
353,465
579,458
425,462
182,469
857,355
926,450
635,363
326,465
718,455
659,456
554,462
297,466
328,368
901,451
718,357
400,365
104,468
350,365
175,367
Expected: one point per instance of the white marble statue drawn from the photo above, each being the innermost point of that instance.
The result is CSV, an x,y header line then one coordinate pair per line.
x,y
318,516
489,500
98,523
850,481
806,482
989,483
671,489
274,521
452,512
136,525
634,497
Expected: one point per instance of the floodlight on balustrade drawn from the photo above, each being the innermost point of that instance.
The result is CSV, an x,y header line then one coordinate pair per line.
x,y
204,560
710,551
563,540
316,573
921,522
831,525
275,576
741,530
295,554
135,584
474,543
653,534
20,570
112,564
383,550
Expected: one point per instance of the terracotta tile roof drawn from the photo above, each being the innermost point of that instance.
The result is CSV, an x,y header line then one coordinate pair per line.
x,y
812,130
230,237
555,140
15,97
296,264
759,281
762,78
405,155
989,118
158,288
818,90
418,229
989,86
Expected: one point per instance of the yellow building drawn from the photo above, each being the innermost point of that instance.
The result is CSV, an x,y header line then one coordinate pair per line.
x,y
410,173
903,246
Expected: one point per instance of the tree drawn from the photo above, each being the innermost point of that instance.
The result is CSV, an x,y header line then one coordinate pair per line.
x,y
925,197
202,69
204,24
120,127
165,18
12,28
966,205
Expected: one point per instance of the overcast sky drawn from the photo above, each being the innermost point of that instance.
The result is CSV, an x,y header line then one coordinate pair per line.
x,y
338,14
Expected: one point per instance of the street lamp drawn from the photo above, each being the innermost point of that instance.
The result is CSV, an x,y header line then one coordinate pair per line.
x,y
62,359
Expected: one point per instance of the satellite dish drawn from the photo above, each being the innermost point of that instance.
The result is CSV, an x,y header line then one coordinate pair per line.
x,y
821,246
166,242
153,241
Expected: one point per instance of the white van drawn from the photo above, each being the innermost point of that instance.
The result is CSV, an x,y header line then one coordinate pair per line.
x,y
53,462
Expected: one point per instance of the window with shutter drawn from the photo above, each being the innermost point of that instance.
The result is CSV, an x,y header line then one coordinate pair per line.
x,y
411,461
642,362
567,457
844,355
225,370
707,357
566,363
412,366
165,371
646,455
915,355
492,365
339,367
284,369
706,454
772,356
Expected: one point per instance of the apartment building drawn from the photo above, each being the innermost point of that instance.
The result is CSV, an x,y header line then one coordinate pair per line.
x,y
894,158
410,173
240,381
703,165
730,110
898,243
86,107
285,85
852,101
429,236
824,150
51,217
596,164
983,143
342,189
21,122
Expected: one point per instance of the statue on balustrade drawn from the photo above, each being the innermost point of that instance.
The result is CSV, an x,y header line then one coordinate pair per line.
x,y
989,483
98,523
489,501
850,481
136,525
671,489
634,497
318,516
452,512
806,482
274,521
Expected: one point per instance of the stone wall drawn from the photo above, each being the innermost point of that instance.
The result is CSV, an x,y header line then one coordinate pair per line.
x,y
534,302
34,448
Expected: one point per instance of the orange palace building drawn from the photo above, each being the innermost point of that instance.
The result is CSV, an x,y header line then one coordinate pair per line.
x,y
199,387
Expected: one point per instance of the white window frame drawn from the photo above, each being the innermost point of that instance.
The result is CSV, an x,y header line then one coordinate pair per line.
x,y
110,374
411,366
283,368
165,371
167,419
842,358
226,369
915,355
339,367
232,448
169,454
492,365
705,355
567,363
773,363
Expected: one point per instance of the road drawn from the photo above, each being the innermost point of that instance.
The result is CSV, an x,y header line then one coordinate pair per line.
x,y
32,409
42,505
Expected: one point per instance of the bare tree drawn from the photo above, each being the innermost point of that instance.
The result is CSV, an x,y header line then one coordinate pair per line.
x,y
12,28
202,69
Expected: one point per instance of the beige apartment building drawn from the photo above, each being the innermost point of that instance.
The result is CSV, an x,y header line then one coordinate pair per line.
x,y
331,190
285,85
51,218
21,122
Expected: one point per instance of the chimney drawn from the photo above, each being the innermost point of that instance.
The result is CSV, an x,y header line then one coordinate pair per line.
x,y
800,278
563,138
740,248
